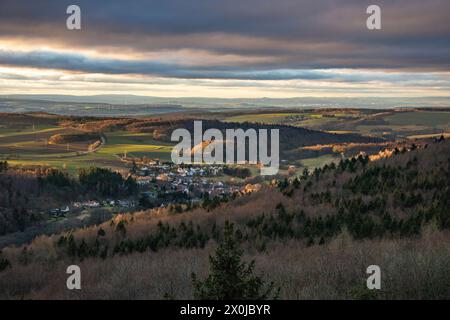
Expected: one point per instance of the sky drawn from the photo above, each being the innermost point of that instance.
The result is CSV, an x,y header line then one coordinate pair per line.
x,y
226,49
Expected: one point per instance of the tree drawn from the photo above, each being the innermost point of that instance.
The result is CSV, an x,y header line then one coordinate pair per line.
x,y
101,232
146,202
121,228
134,168
71,246
296,183
131,187
4,263
3,166
101,181
231,278
305,174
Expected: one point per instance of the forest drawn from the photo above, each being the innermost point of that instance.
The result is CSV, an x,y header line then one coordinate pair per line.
x,y
27,195
343,216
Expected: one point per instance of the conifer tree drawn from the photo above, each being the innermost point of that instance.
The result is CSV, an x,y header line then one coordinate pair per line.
x,y
231,278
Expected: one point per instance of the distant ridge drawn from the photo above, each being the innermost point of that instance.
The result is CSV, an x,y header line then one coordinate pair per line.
x,y
199,102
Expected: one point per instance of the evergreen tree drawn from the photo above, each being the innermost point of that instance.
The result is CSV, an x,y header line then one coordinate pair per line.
x,y
131,187
134,168
71,246
3,166
305,174
231,278
4,263
101,232
120,228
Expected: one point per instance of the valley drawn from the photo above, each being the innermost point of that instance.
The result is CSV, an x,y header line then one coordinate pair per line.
x,y
104,190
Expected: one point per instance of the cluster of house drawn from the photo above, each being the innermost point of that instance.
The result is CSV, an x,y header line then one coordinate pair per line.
x,y
170,172
92,204
191,181
105,203
60,212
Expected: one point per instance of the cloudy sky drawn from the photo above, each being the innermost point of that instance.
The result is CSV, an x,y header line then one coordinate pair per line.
x,y
228,48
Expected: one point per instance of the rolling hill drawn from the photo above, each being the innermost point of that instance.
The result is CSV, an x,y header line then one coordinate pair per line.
x,y
313,236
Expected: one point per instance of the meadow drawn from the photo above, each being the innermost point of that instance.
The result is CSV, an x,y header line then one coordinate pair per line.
x,y
390,124
308,119
28,144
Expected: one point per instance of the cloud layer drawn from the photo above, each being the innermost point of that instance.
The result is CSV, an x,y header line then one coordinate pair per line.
x,y
324,43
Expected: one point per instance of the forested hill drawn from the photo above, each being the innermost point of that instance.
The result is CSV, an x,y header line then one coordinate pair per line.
x,y
329,225
291,137
391,197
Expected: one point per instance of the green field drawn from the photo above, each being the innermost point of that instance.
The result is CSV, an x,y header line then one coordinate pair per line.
x,y
24,138
318,162
313,120
31,153
407,124
135,144
420,118
387,123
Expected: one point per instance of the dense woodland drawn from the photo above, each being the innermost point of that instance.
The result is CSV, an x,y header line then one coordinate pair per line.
x,y
26,196
291,137
387,211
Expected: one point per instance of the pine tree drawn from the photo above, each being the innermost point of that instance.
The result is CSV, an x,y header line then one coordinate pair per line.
x,y
231,278
71,246
4,263
101,232
120,228
3,166
134,168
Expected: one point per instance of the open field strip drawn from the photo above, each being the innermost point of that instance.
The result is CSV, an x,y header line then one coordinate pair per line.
x,y
8,133
318,162
420,118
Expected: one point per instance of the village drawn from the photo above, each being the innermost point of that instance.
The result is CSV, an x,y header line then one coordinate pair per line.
x,y
161,184
166,183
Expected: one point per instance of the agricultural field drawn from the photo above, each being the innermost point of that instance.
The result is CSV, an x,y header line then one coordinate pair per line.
x,y
319,162
30,144
389,124
49,140
421,118
135,145
405,124
310,120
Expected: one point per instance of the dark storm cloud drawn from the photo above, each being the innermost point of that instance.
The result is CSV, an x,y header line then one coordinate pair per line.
x,y
289,34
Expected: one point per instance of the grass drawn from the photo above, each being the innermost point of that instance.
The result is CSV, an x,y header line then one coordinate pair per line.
x,y
421,118
10,132
318,161
29,152
139,144
310,119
